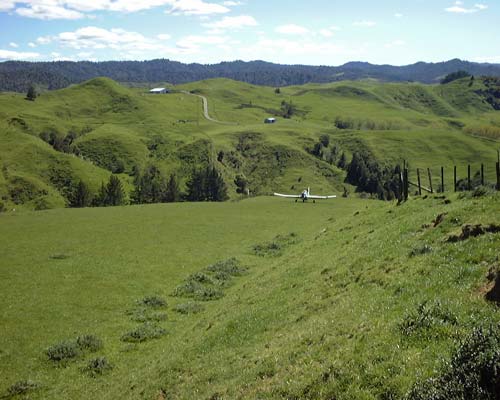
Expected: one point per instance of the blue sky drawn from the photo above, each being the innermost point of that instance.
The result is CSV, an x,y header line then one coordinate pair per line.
x,y
315,32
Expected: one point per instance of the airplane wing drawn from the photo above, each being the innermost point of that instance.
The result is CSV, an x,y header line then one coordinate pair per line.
x,y
291,196
321,197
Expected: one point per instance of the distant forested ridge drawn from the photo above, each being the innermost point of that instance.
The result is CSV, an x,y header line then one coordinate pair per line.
x,y
19,75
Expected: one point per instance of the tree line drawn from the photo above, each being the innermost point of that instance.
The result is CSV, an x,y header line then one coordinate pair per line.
x,y
151,186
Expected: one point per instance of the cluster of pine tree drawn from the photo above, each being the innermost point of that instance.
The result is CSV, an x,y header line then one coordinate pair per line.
x,y
332,154
110,194
365,173
153,187
206,185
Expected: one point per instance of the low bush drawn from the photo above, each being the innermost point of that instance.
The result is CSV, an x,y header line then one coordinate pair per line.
x,y
89,343
63,351
420,250
188,308
230,267
146,331
276,246
144,314
472,373
97,367
427,316
153,301
22,387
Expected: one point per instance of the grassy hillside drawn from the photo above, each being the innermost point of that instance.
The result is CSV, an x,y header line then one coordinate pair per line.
x,y
101,127
364,299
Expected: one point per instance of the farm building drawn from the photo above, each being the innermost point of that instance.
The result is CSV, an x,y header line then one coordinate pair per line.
x,y
160,90
270,120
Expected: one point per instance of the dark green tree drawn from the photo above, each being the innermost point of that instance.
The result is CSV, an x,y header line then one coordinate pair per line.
x,y
324,140
173,193
455,76
32,94
342,164
115,195
81,195
241,184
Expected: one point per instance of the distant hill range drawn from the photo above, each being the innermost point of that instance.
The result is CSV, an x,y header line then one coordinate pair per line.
x,y
18,75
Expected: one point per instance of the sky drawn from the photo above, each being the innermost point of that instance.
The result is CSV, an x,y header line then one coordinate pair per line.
x,y
313,32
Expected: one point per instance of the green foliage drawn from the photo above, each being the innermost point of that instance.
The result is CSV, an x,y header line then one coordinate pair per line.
x,y
111,194
152,187
153,301
146,331
89,343
427,319
365,173
288,109
81,196
455,76
32,94
206,185
97,367
63,351
22,387
472,373
275,247
188,308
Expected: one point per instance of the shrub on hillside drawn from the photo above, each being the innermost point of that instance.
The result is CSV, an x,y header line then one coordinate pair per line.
x,y
427,316
153,301
97,366
22,387
146,331
188,308
89,343
472,373
63,351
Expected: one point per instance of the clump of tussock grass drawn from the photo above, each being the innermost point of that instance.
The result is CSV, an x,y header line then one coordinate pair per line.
x,y
427,317
144,314
420,250
21,387
208,284
97,367
70,349
276,246
188,308
145,331
472,372
152,301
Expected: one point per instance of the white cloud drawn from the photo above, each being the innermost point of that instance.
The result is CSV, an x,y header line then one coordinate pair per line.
x,y
329,32
94,38
163,36
31,44
48,11
399,15
365,24
16,55
6,5
193,43
232,3
196,7
12,44
226,23
292,29
77,9
488,59
459,8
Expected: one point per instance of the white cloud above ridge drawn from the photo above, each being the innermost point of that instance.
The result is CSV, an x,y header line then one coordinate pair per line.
x,y
459,8
78,9
226,23
365,24
291,29
17,55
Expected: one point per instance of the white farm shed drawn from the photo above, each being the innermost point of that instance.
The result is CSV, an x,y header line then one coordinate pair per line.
x,y
270,120
159,90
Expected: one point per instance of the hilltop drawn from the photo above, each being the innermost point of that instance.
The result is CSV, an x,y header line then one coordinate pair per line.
x,y
88,131
18,75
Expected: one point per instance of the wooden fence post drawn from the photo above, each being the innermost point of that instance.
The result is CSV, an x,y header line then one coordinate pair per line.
x,y
430,180
442,179
469,185
419,184
482,174
498,175
455,178
405,183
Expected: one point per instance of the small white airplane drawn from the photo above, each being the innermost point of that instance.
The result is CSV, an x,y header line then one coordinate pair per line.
x,y
305,195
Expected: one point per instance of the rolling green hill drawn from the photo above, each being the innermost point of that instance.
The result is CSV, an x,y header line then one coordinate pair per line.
x,y
349,299
87,131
